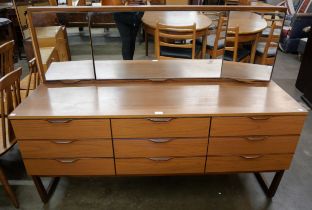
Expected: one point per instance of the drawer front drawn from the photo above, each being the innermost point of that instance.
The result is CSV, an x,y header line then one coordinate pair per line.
x,y
248,163
160,147
191,165
160,127
61,129
67,167
252,145
257,125
66,148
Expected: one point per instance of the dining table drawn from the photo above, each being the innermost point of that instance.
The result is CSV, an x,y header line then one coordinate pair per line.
x,y
176,18
250,26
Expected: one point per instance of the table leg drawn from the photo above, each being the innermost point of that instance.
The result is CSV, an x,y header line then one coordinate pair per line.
x,y
254,48
270,190
45,193
204,45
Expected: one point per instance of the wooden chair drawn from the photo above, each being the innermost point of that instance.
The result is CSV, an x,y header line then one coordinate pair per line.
x,y
231,2
232,50
33,73
10,98
6,58
266,50
176,42
215,42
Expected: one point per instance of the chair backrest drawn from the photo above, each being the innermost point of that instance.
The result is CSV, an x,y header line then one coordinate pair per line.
x,y
175,37
272,40
10,99
231,41
6,58
221,32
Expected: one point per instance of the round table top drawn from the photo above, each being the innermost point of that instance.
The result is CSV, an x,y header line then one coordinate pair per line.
x,y
176,18
248,22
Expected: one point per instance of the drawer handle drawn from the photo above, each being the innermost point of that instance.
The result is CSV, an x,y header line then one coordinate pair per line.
x,y
159,140
66,160
160,119
63,141
256,138
260,117
59,121
251,156
160,159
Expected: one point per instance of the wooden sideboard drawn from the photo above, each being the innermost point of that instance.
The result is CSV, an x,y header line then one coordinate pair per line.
x,y
170,127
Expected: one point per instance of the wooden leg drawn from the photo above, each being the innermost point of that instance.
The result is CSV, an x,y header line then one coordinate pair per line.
x,y
146,43
204,43
270,190
7,188
45,194
254,48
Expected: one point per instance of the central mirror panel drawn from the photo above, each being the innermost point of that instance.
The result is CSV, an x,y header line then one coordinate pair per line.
x,y
161,36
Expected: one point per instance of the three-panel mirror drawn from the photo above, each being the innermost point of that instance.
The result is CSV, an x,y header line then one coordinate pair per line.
x,y
231,44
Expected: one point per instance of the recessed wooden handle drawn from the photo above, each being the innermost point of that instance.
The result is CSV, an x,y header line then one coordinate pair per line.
x,y
66,160
251,156
160,159
63,141
160,119
59,121
260,117
159,140
256,138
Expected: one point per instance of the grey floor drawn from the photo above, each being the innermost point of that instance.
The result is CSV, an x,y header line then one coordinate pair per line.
x,y
233,192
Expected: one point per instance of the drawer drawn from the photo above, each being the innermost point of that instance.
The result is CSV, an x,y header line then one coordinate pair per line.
x,y
257,125
67,167
190,165
172,147
61,129
252,145
248,163
66,148
160,127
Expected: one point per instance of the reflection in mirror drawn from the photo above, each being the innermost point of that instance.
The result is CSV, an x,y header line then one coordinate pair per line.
x,y
62,37
158,35
254,41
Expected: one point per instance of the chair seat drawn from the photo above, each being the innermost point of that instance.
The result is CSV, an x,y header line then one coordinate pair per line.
x,y
24,82
210,42
241,54
266,32
260,50
178,52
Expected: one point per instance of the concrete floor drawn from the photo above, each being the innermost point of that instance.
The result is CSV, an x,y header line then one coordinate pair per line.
x,y
233,192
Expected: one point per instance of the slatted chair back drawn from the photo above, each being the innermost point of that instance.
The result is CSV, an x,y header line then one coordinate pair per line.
x,y
231,41
33,74
6,58
178,37
10,99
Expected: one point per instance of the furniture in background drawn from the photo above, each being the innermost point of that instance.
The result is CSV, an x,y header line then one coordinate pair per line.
x,y
249,31
216,41
6,58
172,18
292,34
232,51
10,99
304,79
267,49
175,42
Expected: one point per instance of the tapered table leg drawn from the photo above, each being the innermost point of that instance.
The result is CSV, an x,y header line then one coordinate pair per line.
x,y
45,193
270,190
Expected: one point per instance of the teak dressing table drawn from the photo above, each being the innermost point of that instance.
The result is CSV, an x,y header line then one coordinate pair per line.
x,y
127,125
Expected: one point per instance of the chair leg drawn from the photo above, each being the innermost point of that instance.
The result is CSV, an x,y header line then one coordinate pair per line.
x,y
29,81
270,190
7,188
45,194
146,43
